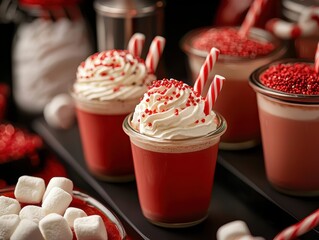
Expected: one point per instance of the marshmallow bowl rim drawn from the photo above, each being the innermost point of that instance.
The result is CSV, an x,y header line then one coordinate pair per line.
x,y
89,200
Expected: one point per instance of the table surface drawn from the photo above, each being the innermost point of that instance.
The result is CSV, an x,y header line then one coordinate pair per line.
x,y
240,192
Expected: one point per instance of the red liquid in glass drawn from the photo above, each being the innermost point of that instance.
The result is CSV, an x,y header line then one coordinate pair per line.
x,y
106,147
237,104
289,147
174,187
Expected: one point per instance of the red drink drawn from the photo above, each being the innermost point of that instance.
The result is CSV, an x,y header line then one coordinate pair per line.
x,y
248,128
108,86
289,125
175,176
182,181
106,147
238,59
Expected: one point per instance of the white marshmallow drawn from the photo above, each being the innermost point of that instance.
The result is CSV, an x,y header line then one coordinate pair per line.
x,y
90,227
33,213
249,237
60,112
236,230
61,182
55,227
57,201
73,213
29,189
8,224
9,206
27,230
233,230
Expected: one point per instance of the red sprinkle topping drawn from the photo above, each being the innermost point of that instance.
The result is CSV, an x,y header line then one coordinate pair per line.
x,y
16,143
230,43
108,59
296,78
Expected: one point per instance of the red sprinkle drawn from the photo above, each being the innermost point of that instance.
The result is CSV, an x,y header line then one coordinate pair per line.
x,y
168,90
295,78
16,143
230,43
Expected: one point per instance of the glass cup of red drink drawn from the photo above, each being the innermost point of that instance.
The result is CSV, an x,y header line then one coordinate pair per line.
x,y
289,119
237,102
175,176
106,147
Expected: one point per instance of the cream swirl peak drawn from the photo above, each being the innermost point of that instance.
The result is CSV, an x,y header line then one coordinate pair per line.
x,y
112,75
171,109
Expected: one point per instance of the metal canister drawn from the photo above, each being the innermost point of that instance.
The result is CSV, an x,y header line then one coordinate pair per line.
x,y
118,20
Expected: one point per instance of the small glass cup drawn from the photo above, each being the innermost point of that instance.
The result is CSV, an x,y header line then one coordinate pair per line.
x,y
289,129
175,177
237,102
106,147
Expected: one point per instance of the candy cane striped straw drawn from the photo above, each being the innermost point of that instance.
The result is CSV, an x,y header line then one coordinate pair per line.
x,y
213,92
154,53
205,70
317,59
251,17
136,43
300,228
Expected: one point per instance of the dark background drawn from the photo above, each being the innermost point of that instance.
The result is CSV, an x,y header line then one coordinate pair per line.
x,y
180,16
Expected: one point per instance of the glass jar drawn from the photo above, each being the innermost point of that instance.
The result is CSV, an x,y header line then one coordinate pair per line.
x,y
49,43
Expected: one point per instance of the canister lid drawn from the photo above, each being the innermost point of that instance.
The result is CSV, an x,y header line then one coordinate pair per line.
x,y
291,9
124,8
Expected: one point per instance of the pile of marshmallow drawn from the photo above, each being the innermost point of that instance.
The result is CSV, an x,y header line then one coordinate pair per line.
x,y
47,215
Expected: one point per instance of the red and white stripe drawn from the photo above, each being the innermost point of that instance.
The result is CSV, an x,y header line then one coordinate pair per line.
x,y
206,69
307,25
136,43
300,228
251,17
213,92
283,29
317,59
154,53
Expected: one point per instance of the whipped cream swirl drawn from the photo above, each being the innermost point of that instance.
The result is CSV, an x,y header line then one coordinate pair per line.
x,y
171,109
112,75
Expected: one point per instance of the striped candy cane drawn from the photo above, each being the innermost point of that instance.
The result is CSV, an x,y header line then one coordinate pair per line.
x,y
206,69
251,17
306,26
299,228
154,53
283,29
213,92
317,59
136,43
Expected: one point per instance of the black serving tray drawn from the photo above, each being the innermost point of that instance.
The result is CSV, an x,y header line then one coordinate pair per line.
x,y
240,192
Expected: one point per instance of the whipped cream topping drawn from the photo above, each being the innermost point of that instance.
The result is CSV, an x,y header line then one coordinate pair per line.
x,y
45,57
112,75
171,109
